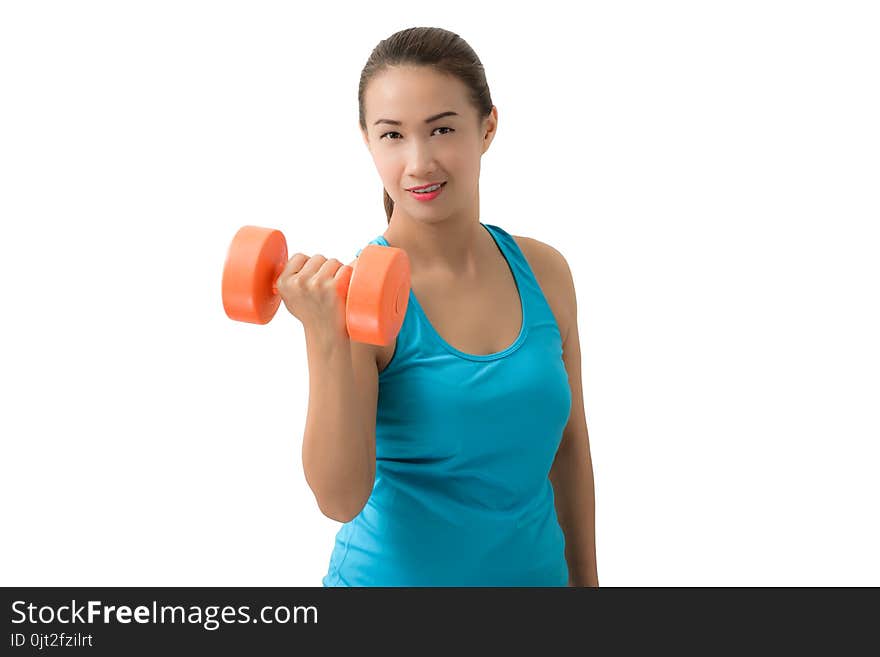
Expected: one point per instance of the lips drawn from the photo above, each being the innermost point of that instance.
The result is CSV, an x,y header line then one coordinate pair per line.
x,y
415,189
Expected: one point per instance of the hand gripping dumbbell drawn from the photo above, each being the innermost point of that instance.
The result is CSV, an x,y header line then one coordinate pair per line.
x,y
375,290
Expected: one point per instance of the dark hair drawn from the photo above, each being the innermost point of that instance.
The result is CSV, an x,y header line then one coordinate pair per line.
x,y
435,47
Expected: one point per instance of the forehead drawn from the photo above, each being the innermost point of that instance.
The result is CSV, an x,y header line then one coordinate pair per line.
x,y
410,94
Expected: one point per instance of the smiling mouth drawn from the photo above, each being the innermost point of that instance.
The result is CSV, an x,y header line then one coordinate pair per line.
x,y
420,190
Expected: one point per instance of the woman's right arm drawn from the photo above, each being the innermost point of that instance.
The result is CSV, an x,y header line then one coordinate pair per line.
x,y
339,444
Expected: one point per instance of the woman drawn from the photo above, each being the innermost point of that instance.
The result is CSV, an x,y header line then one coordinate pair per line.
x,y
458,455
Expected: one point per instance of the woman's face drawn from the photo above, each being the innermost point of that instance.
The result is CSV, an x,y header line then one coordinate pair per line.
x,y
412,152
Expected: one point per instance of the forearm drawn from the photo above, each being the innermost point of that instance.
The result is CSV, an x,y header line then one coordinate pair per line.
x,y
573,488
338,458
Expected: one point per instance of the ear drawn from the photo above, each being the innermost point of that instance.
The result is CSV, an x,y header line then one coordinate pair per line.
x,y
490,128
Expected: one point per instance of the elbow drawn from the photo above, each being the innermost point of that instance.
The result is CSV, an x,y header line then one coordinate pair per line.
x,y
342,512
342,503
346,506
340,517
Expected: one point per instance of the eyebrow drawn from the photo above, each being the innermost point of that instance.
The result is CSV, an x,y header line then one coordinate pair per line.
x,y
428,120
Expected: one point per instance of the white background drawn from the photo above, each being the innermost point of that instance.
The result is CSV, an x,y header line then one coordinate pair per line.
x,y
709,170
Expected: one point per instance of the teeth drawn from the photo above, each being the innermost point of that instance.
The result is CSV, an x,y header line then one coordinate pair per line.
x,y
427,189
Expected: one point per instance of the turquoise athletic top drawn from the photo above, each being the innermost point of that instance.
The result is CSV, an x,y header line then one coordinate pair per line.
x,y
464,446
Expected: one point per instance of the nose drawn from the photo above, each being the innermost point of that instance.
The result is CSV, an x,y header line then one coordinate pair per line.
x,y
420,161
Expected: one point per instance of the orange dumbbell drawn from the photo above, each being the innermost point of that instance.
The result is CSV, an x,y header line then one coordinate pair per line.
x,y
376,289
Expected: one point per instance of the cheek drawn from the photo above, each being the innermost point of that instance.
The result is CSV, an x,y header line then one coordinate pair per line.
x,y
458,157
389,171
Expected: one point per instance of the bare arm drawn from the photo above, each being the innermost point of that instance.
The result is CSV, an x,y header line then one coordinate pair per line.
x,y
572,471
339,444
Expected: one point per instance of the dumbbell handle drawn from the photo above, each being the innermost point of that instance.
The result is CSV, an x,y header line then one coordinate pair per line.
x,y
275,277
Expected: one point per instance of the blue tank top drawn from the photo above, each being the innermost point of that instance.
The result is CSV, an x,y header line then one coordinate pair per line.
x,y
464,446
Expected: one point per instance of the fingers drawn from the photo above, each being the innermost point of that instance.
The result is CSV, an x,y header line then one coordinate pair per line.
x,y
294,264
303,267
329,269
342,269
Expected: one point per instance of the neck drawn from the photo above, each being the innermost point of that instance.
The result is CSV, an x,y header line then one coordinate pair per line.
x,y
451,246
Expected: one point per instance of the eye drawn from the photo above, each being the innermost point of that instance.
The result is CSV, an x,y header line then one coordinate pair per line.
x,y
397,133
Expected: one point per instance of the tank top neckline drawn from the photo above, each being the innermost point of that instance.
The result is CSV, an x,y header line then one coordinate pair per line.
x,y
523,331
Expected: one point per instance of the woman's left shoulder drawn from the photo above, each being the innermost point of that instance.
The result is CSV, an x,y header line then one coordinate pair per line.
x,y
544,255
554,276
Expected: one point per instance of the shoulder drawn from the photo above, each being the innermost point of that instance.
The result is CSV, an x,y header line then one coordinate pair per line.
x,y
553,273
544,253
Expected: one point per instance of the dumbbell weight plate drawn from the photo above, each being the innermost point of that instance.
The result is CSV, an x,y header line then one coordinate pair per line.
x,y
255,259
378,295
